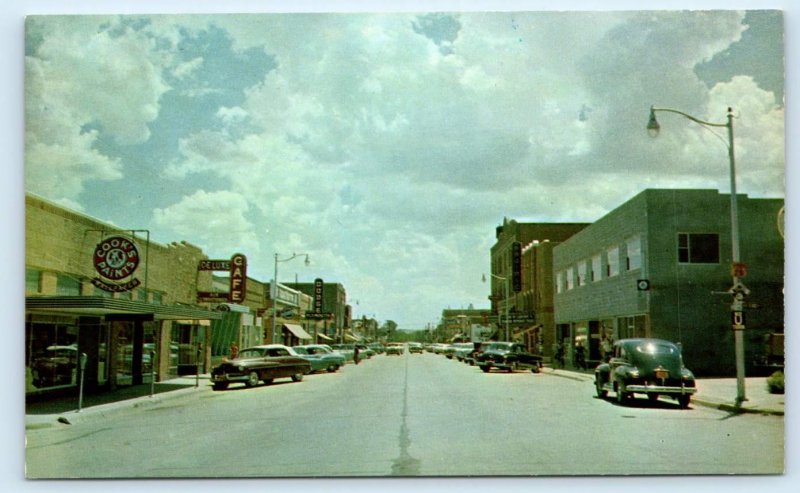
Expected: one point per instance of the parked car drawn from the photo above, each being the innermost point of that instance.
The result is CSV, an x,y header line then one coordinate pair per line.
x,y
320,357
471,356
346,350
415,347
56,366
377,347
652,367
260,363
364,351
462,350
509,356
397,348
440,347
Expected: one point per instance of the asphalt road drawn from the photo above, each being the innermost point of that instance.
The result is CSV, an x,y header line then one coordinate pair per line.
x,y
410,415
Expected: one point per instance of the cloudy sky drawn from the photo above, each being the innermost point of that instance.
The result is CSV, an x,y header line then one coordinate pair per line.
x,y
389,146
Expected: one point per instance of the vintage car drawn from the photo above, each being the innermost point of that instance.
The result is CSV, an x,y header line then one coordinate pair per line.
x,y
397,348
320,357
260,363
460,350
652,367
415,348
346,350
56,366
509,356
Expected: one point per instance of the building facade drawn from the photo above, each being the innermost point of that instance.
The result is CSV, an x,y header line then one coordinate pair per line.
x,y
521,281
464,325
660,266
108,304
330,300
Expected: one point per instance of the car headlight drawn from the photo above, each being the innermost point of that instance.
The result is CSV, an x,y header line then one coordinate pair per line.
x,y
633,373
241,368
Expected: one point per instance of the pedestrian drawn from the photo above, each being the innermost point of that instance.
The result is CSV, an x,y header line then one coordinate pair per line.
x,y
355,355
559,354
580,356
234,350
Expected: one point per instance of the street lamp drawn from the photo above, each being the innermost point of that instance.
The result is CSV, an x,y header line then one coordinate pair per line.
x,y
275,291
505,283
738,290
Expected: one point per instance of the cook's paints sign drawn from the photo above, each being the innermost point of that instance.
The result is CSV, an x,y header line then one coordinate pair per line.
x,y
116,259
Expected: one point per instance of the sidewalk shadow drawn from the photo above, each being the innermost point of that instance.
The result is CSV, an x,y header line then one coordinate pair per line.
x,y
69,402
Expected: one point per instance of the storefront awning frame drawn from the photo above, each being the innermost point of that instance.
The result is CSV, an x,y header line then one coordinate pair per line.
x,y
116,308
298,331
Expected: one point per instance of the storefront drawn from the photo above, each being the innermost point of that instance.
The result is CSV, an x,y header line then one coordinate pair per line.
x,y
117,342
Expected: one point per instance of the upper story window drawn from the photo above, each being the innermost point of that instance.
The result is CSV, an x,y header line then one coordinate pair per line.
x,y
560,282
67,285
612,265
33,281
596,272
570,278
698,248
582,273
634,258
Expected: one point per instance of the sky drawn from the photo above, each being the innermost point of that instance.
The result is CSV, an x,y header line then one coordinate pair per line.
x,y
389,146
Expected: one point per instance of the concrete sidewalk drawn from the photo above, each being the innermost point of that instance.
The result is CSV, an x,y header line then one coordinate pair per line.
x,y
717,393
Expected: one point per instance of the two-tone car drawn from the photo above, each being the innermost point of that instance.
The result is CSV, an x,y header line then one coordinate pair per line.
x,y
321,357
260,363
508,356
652,367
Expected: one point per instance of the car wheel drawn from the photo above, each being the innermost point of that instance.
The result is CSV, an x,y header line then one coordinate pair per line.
x,y
297,377
622,396
268,381
598,385
653,397
220,385
333,368
683,400
252,379
536,368
486,368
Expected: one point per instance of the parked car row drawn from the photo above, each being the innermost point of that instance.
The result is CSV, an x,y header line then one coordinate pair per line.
x,y
268,362
507,356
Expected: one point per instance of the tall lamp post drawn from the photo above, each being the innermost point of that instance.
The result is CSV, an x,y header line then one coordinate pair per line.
x,y
505,303
275,291
738,290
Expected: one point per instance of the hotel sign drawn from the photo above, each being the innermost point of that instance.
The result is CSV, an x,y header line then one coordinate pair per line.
x,y
116,259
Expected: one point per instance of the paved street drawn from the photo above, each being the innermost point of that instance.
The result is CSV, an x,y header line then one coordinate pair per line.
x,y
414,415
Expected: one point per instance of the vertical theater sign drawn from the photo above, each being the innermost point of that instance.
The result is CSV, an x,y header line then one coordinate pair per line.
x,y
116,259
237,268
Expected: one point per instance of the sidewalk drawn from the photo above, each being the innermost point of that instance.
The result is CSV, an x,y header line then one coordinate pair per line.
x,y
717,393
47,412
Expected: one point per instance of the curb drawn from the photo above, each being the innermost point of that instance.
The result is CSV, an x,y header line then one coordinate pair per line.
x,y
40,421
734,409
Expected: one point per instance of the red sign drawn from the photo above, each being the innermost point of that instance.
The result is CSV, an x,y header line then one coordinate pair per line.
x,y
319,288
238,278
739,269
115,259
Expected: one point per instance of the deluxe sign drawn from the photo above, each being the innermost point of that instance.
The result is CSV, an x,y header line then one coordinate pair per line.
x,y
237,267
116,259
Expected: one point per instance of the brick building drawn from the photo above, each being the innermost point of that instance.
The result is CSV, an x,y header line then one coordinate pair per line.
x,y
656,267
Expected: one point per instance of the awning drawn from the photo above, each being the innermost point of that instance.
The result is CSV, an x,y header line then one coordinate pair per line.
x,y
298,331
324,337
351,338
109,307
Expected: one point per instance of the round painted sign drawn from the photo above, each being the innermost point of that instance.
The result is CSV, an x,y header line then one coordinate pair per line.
x,y
116,257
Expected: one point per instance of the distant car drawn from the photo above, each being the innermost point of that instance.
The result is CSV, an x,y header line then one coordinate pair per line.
x,y
652,367
463,349
365,352
397,348
440,347
56,366
377,347
260,363
320,357
509,356
415,347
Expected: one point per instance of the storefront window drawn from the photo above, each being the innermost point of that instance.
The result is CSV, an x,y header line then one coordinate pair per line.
x,y
67,285
51,358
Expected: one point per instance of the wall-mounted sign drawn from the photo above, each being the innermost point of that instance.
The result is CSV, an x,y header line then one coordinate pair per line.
x,y
319,290
237,268
319,316
116,259
516,266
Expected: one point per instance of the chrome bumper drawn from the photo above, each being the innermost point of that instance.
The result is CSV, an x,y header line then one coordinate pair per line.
x,y
660,389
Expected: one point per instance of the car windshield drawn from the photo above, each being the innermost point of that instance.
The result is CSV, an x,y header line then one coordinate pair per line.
x,y
302,350
657,348
499,346
250,353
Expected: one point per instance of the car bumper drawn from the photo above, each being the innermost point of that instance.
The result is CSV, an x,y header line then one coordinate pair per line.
x,y
227,377
660,389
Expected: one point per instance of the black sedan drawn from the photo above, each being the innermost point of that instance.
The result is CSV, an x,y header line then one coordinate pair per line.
x,y
509,356
260,363
652,367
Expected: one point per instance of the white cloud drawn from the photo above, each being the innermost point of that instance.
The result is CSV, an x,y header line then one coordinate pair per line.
x,y
215,221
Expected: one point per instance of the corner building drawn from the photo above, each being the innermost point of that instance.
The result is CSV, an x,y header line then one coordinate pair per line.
x,y
659,266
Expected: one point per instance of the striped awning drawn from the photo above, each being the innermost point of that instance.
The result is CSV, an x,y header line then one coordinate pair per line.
x,y
298,331
324,337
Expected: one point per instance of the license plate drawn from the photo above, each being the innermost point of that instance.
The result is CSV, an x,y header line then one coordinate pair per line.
x,y
662,374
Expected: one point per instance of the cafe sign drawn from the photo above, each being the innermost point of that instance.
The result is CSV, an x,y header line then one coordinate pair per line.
x,y
237,268
116,259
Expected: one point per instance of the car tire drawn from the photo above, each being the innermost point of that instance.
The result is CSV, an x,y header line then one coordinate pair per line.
x,y
652,396
598,385
220,385
297,377
485,369
684,400
333,368
268,381
536,368
252,379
